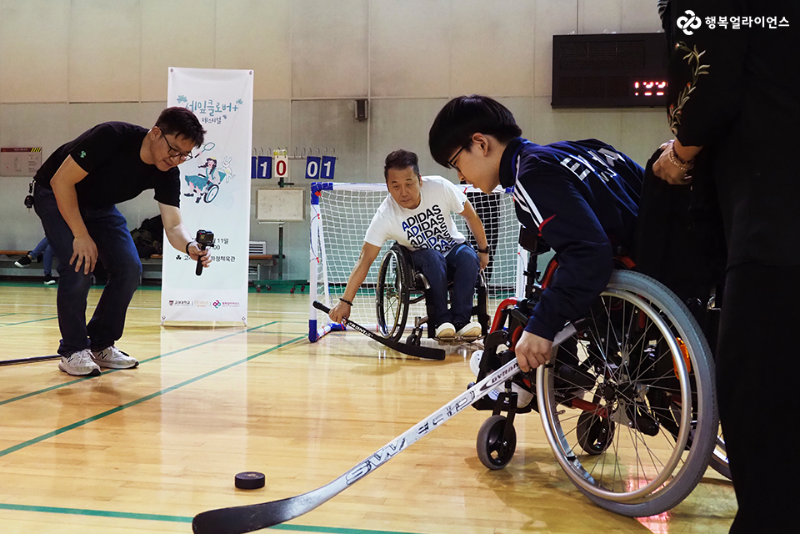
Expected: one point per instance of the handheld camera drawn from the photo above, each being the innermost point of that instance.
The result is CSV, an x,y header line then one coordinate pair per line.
x,y
205,239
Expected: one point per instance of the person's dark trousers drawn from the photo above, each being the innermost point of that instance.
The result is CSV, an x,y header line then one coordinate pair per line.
x,y
462,266
46,251
758,399
108,228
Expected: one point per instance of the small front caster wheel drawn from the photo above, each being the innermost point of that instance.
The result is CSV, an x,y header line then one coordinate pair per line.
x,y
493,450
595,433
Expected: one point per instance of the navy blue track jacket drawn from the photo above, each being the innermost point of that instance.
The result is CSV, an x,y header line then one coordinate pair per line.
x,y
582,198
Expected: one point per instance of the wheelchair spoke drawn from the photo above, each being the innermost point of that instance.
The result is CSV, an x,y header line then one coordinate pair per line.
x,y
622,363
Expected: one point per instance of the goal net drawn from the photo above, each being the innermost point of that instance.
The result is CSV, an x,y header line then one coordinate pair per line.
x,y
340,216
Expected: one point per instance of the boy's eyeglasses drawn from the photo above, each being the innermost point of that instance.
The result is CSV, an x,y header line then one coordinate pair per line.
x,y
452,161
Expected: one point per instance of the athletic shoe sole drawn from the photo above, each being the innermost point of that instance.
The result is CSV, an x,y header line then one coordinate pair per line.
x,y
93,372
110,365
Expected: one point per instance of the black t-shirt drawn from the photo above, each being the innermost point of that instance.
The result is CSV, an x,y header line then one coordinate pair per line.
x,y
109,153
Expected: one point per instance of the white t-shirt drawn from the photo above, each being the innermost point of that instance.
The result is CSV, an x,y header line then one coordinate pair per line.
x,y
429,225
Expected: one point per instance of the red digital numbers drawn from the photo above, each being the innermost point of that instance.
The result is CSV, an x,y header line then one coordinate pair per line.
x,y
649,87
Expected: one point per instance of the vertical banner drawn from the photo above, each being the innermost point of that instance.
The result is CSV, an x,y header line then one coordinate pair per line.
x,y
215,196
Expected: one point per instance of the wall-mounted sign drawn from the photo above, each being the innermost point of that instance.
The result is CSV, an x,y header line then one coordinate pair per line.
x,y
19,161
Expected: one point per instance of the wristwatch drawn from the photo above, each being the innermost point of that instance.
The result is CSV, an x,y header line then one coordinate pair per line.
x,y
487,250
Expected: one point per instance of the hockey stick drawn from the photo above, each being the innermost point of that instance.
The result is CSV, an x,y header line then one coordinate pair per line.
x,y
241,519
30,360
411,350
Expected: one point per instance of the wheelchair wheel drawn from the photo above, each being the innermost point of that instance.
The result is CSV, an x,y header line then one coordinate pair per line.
x,y
639,358
493,450
392,295
211,194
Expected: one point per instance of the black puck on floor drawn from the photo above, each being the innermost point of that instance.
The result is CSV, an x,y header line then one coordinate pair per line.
x,y
250,480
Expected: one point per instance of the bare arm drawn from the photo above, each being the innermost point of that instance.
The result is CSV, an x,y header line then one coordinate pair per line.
x,y
476,227
178,235
84,250
368,254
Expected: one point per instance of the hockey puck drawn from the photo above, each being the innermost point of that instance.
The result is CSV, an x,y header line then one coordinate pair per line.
x,y
250,480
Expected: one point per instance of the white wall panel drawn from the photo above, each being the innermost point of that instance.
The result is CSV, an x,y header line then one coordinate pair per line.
x,y
493,47
329,48
105,51
175,33
410,48
33,51
254,35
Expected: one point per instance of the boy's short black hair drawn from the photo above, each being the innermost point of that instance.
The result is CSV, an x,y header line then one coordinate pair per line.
x,y
400,159
181,122
464,116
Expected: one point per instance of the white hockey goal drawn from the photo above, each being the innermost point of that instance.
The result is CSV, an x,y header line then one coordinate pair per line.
x,y
340,215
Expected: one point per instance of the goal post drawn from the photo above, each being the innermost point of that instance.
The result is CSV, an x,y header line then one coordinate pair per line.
x,y
340,216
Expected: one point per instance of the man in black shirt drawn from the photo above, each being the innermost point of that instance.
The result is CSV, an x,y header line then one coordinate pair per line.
x,y
75,195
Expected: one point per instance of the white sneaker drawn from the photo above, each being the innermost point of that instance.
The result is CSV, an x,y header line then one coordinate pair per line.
x,y
79,364
113,358
524,397
470,331
445,331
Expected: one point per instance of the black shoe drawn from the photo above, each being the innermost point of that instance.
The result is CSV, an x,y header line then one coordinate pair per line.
x,y
575,376
49,280
23,262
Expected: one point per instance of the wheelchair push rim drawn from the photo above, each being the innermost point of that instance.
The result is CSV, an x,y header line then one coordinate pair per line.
x,y
667,462
392,295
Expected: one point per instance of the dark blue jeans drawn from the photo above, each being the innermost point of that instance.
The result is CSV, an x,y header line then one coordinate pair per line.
x,y
109,230
461,266
46,251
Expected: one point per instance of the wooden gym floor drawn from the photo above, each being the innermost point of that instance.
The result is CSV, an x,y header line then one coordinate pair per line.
x,y
144,450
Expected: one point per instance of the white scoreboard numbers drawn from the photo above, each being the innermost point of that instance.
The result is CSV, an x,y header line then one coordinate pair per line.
x,y
261,167
312,167
320,168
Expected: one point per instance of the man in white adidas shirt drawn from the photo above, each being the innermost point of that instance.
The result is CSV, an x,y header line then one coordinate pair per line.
x,y
417,214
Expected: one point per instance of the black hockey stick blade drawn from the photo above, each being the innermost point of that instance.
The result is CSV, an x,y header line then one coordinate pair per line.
x,y
30,360
248,518
411,350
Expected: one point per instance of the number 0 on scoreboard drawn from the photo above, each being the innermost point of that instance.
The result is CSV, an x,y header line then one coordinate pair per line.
x,y
280,162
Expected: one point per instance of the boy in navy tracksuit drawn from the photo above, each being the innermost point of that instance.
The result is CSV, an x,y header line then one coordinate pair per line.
x,y
581,197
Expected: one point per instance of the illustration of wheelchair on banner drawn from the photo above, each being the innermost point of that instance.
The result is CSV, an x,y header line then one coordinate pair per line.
x,y
205,184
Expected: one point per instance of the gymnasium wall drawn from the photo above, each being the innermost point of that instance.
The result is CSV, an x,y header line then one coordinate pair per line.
x,y
66,65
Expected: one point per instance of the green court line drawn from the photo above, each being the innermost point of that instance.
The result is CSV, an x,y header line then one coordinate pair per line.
x,y
32,321
112,411
108,371
180,519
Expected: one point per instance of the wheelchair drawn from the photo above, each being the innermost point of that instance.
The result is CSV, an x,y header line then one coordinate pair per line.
x,y
627,403
400,286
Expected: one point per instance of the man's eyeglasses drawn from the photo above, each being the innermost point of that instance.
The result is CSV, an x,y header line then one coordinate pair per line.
x,y
174,152
452,161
